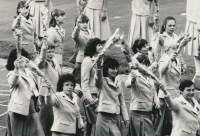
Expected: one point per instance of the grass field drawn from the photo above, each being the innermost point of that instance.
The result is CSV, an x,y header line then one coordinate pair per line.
x,y
121,8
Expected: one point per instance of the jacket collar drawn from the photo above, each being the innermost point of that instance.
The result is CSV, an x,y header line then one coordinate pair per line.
x,y
60,31
29,21
57,67
115,84
66,97
28,74
196,107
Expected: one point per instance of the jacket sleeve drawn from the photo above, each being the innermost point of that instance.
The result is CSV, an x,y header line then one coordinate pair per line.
x,y
171,103
75,34
51,100
123,105
41,60
13,78
85,79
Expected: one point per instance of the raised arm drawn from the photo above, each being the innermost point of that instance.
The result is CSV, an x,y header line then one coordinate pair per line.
x,y
49,99
171,103
75,33
42,58
13,78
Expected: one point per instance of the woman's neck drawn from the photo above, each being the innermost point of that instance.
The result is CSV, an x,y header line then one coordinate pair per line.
x,y
170,34
69,95
111,78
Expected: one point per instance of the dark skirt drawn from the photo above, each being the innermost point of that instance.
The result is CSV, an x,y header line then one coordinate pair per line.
x,y
108,124
91,117
163,124
46,116
20,125
141,124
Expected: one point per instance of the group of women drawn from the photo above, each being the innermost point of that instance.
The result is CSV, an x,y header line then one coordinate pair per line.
x,y
44,100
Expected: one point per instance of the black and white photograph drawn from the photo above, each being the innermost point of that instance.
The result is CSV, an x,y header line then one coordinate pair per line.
x,y
100,68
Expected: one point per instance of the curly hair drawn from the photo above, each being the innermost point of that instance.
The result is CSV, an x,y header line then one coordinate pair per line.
x,y
90,48
65,78
13,56
110,63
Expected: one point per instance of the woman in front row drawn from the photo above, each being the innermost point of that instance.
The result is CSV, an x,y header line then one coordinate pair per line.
x,y
111,100
185,110
67,115
144,97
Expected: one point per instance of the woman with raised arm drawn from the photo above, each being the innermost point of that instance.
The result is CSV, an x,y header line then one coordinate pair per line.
x,y
81,34
171,66
22,118
111,100
52,70
67,117
96,11
166,34
93,48
144,97
185,110
56,34
27,25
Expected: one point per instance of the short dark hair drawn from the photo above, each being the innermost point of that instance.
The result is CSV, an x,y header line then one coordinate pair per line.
x,y
66,77
13,56
109,63
55,13
144,59
184,84
139,43
90,48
